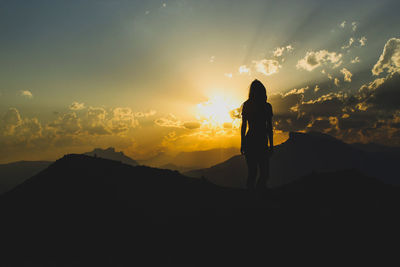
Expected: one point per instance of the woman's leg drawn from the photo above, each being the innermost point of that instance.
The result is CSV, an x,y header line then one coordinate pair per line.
x,y
251,171
263,163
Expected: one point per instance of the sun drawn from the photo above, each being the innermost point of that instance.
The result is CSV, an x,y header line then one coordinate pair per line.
x,y
217,110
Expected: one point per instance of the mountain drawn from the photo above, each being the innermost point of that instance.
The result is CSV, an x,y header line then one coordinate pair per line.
x,y
85,211
110,153
302,154
174,167
191,160
12,174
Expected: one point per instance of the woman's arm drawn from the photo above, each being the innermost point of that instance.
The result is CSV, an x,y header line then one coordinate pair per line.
x,y
243,134
270,134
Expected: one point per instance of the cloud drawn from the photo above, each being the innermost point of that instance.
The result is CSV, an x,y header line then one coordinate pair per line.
x,y
354,26
278,52
267,66
22,137
10,121
68,123
244,69
336,82
26,93
191,125
347,74
313,60
349,44
381,95
169,121
390,58
363,41
140,114
355,60
76,106
123,119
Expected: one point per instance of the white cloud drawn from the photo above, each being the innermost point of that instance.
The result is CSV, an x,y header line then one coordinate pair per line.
x,y
244,69
348,45
140,114
313,59
355,60
68,123
336,81
26,93
76,106
10,121
354,26
278,52
347,74
390,58
297,91
169,121
267,66
363,41
123,119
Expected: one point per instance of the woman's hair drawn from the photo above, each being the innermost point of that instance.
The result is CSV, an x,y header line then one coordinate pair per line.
x,y
257,91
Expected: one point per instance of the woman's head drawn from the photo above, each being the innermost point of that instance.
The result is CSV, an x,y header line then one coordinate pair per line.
x,y
257,91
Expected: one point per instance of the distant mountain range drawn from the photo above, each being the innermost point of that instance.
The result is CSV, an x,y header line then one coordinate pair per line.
x,y
86,211
304,153
191,160
300,155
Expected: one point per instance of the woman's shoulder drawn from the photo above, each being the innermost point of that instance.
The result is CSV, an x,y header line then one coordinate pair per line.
x,y
269,107
245,104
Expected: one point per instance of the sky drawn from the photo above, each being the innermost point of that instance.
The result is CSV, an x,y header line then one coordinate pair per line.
x,y
151,77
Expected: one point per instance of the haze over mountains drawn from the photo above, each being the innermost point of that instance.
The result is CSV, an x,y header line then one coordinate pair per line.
x,y
12,174
300,155
304,153
191,160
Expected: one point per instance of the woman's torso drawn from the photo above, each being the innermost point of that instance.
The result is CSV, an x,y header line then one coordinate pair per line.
x,y
257,116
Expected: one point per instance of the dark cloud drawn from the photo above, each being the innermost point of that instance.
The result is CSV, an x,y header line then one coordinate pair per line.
x,y
371,114
382,94
191,125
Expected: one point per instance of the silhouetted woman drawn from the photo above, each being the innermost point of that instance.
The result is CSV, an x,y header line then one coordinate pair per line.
x,y
257,112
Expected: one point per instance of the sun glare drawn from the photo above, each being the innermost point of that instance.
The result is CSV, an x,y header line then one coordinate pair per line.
x,y
217,110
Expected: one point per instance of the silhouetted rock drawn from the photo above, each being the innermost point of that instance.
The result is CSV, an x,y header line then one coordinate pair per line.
x,y
110,153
